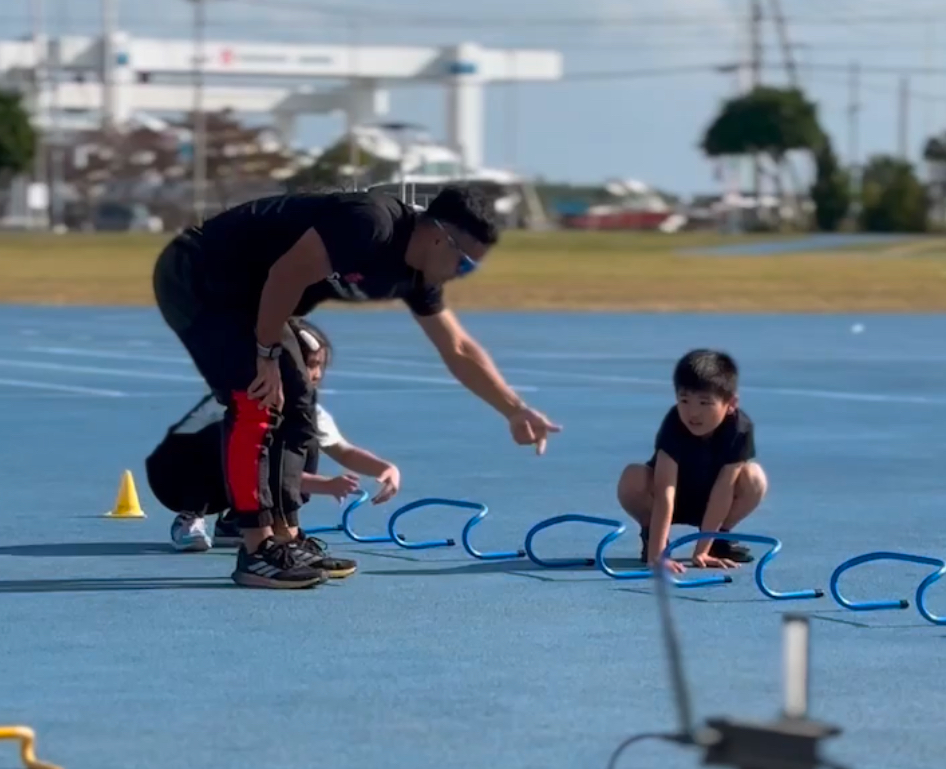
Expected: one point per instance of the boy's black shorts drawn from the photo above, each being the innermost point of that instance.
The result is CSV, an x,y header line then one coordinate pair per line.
x,y
688,509
688,513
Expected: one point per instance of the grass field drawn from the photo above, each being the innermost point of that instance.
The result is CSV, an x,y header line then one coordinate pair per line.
x,y
562,270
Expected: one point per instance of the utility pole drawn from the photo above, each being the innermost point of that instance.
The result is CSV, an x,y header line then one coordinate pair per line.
x,y
787,54
41,50
904,122
108,64
853,113
853,123
755,78
199,137
928,47
354,94
57,142
755,43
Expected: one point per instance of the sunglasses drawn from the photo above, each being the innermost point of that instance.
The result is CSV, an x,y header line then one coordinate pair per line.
x,y
467,263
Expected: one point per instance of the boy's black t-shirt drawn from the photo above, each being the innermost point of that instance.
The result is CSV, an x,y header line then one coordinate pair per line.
x,y
700,459
366,236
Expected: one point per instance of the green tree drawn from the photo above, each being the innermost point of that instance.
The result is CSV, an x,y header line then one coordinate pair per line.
x,y
766,120
17,143
105,164
934,153
831,192
329,170
894,200
238,158
17,136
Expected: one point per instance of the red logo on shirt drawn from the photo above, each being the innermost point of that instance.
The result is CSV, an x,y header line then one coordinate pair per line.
x,y
353,277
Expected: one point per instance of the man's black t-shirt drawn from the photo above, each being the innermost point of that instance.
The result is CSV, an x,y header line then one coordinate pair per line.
x,y
700,459
365,234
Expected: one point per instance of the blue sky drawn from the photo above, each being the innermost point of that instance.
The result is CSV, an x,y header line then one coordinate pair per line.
x,y
588,130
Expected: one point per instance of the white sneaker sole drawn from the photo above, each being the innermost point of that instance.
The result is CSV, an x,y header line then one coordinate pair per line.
x,y
192,546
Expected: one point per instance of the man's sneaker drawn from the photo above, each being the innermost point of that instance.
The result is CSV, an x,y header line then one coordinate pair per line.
x,y
314,553
226,532
732,551
189,534
275,566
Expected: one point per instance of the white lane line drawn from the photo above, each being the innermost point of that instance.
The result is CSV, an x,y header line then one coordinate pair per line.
x,y
132,374
73,389
106,355
75,352
843,395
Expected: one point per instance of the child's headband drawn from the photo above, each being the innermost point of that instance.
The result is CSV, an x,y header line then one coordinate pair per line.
x,y
308,338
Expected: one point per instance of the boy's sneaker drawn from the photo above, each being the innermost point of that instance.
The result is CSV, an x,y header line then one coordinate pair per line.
x,y
721,548
275,566
226,532
645,541
189,534
731,551
314,553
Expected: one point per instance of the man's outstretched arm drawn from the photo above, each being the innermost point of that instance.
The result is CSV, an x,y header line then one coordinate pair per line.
x,y
472,367
469,363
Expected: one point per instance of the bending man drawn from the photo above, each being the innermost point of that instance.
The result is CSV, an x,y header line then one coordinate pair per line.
x,y
228,288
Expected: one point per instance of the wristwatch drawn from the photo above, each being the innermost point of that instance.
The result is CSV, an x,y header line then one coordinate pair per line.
x,y
270,353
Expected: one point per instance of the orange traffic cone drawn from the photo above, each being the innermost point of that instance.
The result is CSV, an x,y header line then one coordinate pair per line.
x,y
127,504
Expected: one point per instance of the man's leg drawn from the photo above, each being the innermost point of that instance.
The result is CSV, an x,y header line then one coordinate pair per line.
x,y
294,438
294,445
223,349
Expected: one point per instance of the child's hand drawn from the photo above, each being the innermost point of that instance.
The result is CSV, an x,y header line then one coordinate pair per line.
x,y
674,567
709,562
390,481
341,486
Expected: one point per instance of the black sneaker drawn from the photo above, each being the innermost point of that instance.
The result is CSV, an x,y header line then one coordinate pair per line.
x,y
721,548
732,551
314,553
645,542
226,532
276,567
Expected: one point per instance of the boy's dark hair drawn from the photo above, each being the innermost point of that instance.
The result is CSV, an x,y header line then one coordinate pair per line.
x,y
707,371
469,210
301,324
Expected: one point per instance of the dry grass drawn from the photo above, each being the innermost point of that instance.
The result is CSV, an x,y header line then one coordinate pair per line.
x,y
554,271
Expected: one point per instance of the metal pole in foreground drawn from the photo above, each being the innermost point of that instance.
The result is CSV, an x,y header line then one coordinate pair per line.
x,y
40,112
199,139
108,65
792,741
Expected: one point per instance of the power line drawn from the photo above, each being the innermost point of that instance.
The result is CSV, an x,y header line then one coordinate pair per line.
x,y
886,90
366,14
408,17
885,70
729,66
645,72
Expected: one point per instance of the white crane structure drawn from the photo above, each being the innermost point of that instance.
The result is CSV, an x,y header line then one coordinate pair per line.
x,y
73,83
